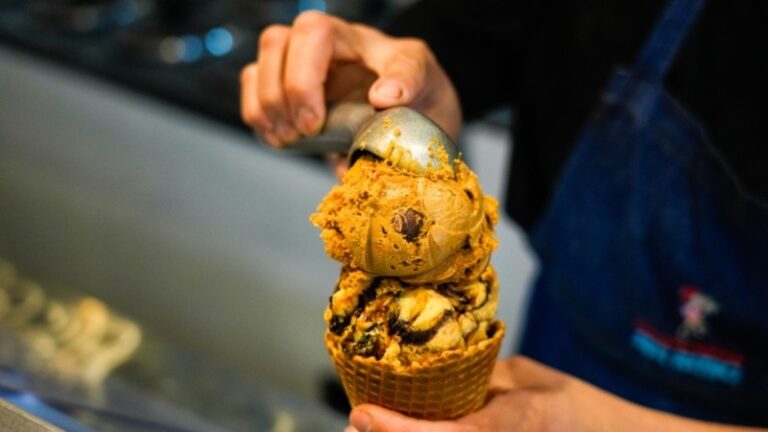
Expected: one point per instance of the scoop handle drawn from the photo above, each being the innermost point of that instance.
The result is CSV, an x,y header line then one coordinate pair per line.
x,y
342,122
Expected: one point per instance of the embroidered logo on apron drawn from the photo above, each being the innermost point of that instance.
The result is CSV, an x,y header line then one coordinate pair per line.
x,y
684,352
695,310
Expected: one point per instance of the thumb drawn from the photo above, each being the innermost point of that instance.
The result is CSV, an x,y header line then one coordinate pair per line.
x,y
388,91
402,74
372,418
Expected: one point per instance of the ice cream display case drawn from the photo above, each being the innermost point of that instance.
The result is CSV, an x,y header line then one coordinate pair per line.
x,y
145,236
131,226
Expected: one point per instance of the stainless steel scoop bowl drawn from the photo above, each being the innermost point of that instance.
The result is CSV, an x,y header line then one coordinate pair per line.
x,y
401,135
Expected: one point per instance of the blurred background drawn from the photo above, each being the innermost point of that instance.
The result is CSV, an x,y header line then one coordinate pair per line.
x,y
157,267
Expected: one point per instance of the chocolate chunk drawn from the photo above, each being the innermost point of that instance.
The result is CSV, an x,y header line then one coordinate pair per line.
x,y
365,346
369,345
408,224
367,295
338,324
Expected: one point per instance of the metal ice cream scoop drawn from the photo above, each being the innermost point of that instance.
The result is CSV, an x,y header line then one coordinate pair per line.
x,y
401,135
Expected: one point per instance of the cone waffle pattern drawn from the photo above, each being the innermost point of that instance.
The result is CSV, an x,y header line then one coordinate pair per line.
x,y
451,385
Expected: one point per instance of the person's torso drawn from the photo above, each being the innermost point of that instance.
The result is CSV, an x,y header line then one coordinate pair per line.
x,y
653,250
569,52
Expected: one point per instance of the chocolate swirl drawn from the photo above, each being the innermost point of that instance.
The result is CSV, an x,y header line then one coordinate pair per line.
x,y
340,322
410,336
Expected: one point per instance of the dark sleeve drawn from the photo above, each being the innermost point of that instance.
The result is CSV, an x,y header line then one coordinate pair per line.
x,y
478,44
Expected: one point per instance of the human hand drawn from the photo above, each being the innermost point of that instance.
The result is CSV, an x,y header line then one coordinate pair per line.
x,y
526,396
320,59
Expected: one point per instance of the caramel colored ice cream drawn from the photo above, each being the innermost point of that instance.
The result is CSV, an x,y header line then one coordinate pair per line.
x,y
415,251
419,228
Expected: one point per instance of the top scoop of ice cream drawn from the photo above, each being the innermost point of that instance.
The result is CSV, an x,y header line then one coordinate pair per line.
x,y
420,228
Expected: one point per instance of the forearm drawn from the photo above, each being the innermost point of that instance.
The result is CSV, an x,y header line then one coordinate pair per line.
x,y
663,422
619,414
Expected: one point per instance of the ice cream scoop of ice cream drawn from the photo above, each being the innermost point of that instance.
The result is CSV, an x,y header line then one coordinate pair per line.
x,y
384,318
411,322
434,227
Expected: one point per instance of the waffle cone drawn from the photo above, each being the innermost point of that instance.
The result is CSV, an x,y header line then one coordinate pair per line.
x,y
445,386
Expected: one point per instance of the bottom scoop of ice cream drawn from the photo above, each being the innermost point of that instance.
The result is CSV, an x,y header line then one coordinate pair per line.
x,y
383,318
420,228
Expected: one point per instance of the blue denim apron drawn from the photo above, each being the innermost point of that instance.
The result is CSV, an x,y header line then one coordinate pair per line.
x,y
654,261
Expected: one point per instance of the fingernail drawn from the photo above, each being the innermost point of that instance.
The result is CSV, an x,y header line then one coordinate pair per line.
x,y
285,132
361,420
350,429
307,120
271,139
390,89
